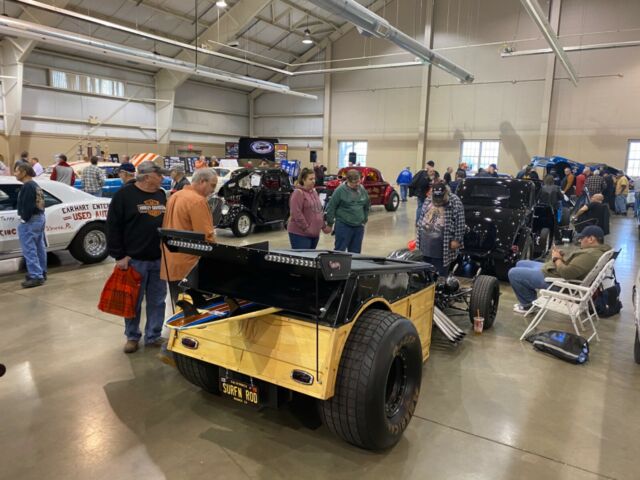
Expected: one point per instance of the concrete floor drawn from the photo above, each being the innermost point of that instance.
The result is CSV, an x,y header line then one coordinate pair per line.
x,y
75,407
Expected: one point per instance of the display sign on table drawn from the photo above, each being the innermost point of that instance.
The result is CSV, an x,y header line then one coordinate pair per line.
x,y
228,163
292,167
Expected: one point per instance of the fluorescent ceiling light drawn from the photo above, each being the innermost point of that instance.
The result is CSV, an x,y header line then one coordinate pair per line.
x,y
307,40
374,25
221,4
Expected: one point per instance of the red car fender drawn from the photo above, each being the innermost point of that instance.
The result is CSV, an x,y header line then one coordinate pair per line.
x,y
387,194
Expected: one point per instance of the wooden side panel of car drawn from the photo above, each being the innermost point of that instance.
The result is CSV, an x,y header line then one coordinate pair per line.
x,y
270,346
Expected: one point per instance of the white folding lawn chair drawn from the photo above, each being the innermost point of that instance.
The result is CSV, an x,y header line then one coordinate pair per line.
x,y
572,298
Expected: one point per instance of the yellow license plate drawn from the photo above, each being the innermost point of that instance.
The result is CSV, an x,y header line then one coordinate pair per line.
x,y
240,391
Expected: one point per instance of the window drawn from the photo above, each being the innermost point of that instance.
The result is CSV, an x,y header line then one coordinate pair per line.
x,y
480,153
9,197
372,177
344,148
86,83
633,159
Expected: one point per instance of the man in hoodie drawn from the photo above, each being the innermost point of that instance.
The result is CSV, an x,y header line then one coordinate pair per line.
x,y
403,181
63,172
349,209
528,276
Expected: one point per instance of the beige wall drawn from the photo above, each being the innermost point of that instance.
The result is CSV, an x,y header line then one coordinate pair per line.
x,y
591,122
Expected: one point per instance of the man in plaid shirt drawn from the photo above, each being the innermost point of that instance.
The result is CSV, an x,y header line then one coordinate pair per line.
x,y
441,228
93,178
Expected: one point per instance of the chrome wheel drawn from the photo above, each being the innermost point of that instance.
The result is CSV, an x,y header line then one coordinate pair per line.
x,y
95,243
244,224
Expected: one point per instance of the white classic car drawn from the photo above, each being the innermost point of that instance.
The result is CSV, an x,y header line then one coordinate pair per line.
x,y
75,220
224,174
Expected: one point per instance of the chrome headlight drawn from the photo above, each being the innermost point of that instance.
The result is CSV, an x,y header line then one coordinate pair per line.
x,y
225,209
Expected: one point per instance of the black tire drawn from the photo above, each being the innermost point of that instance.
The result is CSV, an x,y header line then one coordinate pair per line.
x,y
636,347
201,374
242,225
393,202
378,381
544,241
90,244
485,298
565,217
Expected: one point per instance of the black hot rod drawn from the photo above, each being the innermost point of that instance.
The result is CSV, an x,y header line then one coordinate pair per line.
x,y
505,223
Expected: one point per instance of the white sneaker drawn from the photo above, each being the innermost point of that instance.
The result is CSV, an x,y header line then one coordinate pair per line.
x,y
518,308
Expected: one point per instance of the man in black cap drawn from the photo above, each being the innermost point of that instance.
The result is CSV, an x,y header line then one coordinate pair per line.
x,y
135,215
441,228
527,275
127,173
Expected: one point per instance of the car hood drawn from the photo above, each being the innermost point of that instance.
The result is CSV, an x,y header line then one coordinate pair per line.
x,y
491,228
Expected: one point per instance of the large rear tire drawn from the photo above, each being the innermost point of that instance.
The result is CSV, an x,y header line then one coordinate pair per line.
x,y
565,217
90,244
201,374
378,381
485,297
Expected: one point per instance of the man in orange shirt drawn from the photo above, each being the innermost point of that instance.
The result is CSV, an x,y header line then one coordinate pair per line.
x,y
188,210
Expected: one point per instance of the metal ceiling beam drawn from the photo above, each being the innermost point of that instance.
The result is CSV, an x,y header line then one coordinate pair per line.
x,y
150,6
320,46
55,36
274,47
539,18
281,27
308,12
144,34
576,48
378,27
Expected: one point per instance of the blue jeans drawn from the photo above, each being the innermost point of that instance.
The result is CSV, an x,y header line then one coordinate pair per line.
x,y
300,242
621,204
32,243
419,209
155,291
403,192
349,238
525,278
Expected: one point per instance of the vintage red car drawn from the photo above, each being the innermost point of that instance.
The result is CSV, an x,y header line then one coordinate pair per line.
x,y
380,192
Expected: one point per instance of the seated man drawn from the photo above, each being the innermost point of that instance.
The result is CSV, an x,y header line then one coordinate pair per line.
x,y
595,213
527,275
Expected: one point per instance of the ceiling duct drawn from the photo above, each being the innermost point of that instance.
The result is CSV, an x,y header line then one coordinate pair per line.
x,y
150,36
54,36
377,26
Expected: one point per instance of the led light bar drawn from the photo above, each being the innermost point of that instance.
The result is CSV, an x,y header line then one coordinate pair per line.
x,y
290,260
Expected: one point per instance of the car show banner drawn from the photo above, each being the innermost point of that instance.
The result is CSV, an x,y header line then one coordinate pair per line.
x,y
257,148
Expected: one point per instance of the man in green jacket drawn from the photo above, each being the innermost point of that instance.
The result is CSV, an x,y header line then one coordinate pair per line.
x,y
527,275
349,209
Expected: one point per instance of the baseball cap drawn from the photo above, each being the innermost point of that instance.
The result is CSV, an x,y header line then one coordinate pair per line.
x,y
439,190
178,168
592,231
494,166
128,167
150,167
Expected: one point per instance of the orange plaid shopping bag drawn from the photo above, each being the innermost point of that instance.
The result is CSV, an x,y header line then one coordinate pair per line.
x,y
120,294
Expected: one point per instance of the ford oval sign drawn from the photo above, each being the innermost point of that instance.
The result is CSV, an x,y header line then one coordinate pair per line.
x,y
262,148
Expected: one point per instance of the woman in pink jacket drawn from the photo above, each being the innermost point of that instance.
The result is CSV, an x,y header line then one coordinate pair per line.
x,y
306,219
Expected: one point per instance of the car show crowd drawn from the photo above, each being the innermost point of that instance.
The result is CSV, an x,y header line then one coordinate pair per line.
x,y
141,206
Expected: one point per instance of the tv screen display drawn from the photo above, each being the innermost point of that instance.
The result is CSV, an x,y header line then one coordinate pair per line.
x,y
260,148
